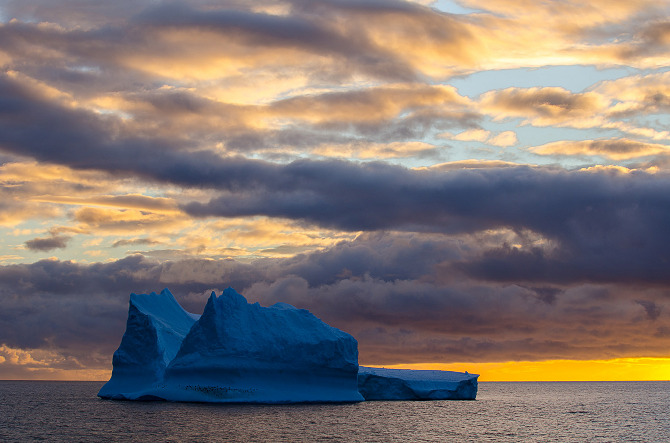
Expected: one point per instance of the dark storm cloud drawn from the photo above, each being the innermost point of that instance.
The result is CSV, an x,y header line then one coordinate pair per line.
x,y
62,304
651,309
47,243
606,225
386,289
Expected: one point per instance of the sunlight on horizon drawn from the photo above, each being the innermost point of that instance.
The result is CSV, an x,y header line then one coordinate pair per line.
x,y
618,369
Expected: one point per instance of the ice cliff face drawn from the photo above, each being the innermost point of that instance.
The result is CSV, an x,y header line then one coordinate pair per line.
x,y
273,354
235,352
406,384
156,326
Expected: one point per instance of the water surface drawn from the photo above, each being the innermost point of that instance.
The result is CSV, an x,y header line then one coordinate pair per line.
x,y
503,412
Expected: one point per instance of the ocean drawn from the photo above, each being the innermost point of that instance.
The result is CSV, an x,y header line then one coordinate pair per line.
x,y
503,412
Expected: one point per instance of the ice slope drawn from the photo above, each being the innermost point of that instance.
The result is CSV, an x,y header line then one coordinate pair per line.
x,y
155,328
279,354
406,384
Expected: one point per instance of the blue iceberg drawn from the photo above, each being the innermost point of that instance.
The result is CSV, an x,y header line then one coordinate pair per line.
x,y
234,352
411,384
237,352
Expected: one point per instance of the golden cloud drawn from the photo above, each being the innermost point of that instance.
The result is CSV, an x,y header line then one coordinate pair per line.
x,y
615,149
101,220
371,105
368,150
242,237
546,106
43,364
504,139
480,135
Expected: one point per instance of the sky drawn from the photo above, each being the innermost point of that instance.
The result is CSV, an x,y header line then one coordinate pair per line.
x,y
465,185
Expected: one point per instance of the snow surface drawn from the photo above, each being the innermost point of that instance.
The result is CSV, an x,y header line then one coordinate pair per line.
x,y
235,352
407,384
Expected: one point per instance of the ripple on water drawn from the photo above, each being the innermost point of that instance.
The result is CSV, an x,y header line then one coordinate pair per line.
x,y
503,412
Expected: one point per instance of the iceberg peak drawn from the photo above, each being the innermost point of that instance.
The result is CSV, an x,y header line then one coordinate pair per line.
x,y
155,328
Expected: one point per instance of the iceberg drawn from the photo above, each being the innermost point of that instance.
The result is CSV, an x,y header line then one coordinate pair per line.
x,y
234,352
237,352
409,384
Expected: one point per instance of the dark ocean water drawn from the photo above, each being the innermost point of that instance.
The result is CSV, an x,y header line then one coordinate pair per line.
x,y
503,412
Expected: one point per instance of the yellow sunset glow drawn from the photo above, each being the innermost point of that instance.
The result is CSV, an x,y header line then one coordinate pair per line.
x,y
618,369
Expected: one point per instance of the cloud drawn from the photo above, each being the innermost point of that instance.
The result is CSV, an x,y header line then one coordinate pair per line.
x,y
615,149
84,140
48,243
31,364
610,105
125,220
637,94
362,150
4,258
135,241
479,135
349,196
401,295
471,164
195,42
122,118
652,310
311,116
546,106
367,106
504,139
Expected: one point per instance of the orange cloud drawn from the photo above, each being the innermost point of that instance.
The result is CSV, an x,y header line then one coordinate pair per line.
x,y
367,150
546,106
241,237
479,135
367,105
41,364
502,139
125,220
615,149
637,94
